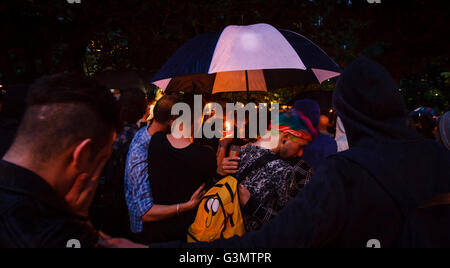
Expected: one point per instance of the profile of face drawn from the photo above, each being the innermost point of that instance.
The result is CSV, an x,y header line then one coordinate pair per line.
x,y
291,146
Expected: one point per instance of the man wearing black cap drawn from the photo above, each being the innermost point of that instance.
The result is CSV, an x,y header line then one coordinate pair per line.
x,y
366,195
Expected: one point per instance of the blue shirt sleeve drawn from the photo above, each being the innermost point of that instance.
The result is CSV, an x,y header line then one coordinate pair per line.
x,y
137,185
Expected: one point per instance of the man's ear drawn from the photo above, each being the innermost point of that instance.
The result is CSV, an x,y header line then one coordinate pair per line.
x,y
82,155
172,119
284,137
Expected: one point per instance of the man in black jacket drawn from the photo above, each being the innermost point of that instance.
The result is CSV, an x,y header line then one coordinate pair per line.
x,y
49,175
361,197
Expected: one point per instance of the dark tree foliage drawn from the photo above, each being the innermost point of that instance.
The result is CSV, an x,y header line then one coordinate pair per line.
x,y
46,36
432,89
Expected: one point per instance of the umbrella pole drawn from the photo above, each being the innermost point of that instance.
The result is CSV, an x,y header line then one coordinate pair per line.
x,y
246,84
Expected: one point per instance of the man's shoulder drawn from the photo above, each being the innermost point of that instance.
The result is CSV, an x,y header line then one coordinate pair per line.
x,y
26,222
249,148
141,136
276,166
338,168
323,143
252,153
341,160
206,150
11,200
280,163
140,142
327,140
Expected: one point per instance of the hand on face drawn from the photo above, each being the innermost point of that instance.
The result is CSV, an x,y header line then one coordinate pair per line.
x,y
80,196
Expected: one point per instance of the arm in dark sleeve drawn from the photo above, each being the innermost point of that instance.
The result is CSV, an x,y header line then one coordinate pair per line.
x,y
313,219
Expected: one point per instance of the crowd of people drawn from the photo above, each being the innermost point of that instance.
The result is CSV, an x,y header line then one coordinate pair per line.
x,y
77,165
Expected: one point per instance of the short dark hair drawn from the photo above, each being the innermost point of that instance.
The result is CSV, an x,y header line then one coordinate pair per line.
x,y
189,99
133,105
64,109
162,112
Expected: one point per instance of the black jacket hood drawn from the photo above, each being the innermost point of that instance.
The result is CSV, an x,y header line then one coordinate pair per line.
x,y
369,103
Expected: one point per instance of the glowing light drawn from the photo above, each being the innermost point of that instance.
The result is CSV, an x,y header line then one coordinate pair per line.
x,y
227,130
208,108
227,126
159,95
151,114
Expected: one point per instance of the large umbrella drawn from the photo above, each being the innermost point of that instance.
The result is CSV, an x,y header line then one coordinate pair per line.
x,y
245,58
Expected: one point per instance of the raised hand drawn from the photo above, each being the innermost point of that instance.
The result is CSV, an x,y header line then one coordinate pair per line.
x,y
80,196
229,165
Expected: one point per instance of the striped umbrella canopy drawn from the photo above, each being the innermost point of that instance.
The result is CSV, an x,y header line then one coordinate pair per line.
x,y
245,58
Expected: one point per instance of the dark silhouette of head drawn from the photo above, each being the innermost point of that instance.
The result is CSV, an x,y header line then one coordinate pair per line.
x,y
367,100
162,113
133,105
63,110
310,109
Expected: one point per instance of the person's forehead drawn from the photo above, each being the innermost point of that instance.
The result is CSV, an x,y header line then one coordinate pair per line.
x,y
297,139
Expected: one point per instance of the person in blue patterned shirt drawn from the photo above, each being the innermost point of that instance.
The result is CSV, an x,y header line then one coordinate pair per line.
x,y
138,193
